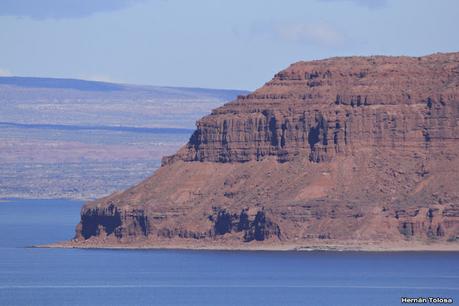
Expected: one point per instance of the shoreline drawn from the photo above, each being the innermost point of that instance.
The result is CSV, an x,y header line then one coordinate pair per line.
x,y
440,247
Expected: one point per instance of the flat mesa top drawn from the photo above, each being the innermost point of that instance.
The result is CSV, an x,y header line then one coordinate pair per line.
x,y
380,79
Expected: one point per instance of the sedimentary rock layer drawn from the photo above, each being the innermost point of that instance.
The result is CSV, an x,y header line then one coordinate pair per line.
x,y
342,149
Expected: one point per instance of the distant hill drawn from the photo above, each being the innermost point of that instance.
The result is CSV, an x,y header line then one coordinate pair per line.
x,y
85,85
30,100
31,82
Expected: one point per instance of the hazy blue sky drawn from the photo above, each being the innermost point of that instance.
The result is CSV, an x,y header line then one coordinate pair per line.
x,y
211,43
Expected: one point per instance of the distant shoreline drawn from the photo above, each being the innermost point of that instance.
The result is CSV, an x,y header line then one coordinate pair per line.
x,y
411,247
68,127
44,198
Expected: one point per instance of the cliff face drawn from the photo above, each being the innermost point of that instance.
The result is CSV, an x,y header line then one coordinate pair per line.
x,y
323,108
343,149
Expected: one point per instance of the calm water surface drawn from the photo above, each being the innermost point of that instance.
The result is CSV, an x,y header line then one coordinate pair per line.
x,y
31,276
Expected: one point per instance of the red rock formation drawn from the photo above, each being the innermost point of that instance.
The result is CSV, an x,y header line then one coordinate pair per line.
x,y
344,150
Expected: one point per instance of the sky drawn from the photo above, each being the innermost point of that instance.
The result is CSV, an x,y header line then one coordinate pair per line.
x,y
235,44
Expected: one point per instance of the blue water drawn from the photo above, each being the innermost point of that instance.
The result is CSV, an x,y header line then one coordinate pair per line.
x,y
30,276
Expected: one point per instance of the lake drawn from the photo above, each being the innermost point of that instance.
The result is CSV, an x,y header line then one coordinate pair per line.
x,y
30,276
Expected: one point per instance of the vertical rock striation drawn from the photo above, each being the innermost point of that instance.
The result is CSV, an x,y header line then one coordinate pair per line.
x,y
342,149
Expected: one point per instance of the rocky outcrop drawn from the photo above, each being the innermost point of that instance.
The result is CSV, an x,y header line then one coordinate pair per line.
x,y
134,225
112,221
342,149
323,108
260,228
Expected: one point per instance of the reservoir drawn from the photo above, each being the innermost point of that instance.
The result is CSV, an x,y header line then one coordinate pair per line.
x,y
32,276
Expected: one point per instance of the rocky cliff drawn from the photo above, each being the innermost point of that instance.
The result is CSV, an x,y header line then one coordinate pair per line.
x,y
342,151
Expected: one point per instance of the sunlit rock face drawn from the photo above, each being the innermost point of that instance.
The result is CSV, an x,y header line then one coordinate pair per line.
x,y
337,150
